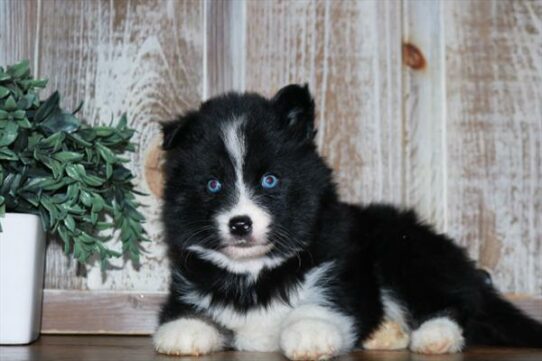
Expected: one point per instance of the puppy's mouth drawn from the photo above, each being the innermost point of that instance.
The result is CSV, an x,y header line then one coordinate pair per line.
x,y
246,249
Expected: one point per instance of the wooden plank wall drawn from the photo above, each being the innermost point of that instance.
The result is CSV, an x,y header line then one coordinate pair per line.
x,y
435,105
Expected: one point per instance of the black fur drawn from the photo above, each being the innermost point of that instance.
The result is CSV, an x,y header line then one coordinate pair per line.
x,y
373,247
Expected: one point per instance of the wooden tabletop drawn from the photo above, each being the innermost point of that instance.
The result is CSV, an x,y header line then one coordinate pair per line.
x,y
138,348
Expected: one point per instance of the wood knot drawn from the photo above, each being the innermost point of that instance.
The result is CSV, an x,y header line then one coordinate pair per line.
x,y
413,57
153,167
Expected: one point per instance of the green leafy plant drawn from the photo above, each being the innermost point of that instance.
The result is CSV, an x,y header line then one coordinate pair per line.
x,y
70,174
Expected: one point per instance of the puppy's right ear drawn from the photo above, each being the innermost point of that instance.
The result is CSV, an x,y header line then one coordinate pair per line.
x,y
174,132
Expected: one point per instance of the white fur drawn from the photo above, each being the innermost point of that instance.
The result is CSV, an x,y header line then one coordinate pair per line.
x,y
311,339
313,332
394,310
252,267
437,336
259,329
187,336
234,141
394,332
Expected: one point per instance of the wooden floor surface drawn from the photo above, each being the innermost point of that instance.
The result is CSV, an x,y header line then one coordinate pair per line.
x,y
138,348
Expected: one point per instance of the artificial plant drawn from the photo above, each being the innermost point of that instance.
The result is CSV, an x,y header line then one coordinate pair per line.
x,y
68,173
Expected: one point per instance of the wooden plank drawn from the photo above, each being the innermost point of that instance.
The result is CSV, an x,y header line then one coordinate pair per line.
x,y
19,27
135,313
425,114
349,53
136,348
494,137
98,312
144,58
225,46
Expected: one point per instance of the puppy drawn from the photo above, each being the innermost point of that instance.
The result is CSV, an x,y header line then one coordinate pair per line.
x,y
265,257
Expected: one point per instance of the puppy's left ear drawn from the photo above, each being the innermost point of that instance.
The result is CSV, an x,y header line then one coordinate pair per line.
x,y
295,107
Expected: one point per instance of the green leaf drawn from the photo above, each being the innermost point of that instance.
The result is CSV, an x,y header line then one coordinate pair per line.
x,y
61,122
93,181
53,140
104,132
26,101
8,134
19,114
70,223
80,140
30,197
97,203
123,121
86,198
55,166
107,155
67,156
36,184
10,104
39,83
75,171
19,70
6,154
24,123
102,226
4,76
48,107
3,208
65,238
108,170
4,92
87,134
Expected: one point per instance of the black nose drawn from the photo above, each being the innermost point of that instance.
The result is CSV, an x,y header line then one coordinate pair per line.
x,y
240,225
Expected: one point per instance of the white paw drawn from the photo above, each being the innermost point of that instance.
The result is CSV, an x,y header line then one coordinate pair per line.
x,y
187,336
311,339
436,336
389,336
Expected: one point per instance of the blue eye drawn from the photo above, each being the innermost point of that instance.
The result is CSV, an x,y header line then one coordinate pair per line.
x,y
214,185
269,181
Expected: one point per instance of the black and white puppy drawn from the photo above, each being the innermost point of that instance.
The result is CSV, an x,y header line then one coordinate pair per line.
x,y
265,257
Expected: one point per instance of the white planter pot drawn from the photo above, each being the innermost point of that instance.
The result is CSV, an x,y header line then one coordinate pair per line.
x,y
22,257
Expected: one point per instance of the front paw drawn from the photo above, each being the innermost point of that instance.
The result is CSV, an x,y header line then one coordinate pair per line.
x,y
187,336
311,339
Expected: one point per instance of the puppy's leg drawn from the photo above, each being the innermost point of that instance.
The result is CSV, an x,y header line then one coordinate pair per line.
x,y
187,336
437,335
313,332
183,332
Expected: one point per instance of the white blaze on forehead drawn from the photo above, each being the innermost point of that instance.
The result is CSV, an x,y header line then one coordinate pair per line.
x,y
235,142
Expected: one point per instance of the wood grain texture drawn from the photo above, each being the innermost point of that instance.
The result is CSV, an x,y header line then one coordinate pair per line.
x,y
97,312
494,136
139,57
138,348
349,53
225,36
19,27
425,114
136,313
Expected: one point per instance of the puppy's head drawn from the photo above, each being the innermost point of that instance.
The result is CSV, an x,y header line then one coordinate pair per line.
x,y
243,178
